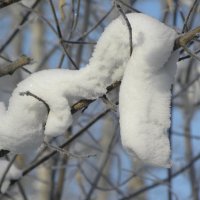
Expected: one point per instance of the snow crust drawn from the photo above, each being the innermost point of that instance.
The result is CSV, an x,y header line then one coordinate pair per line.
x,y
13,174
144,95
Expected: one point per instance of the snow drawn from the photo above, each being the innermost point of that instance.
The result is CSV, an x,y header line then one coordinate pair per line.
x,y
28,3
145,92
21,130
2,108
22,127
13,174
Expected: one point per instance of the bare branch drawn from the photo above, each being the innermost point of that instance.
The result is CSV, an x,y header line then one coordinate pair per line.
x,y
10,68
5,3
85,102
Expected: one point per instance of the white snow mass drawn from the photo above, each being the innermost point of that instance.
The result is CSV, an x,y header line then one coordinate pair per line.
x,y
144,94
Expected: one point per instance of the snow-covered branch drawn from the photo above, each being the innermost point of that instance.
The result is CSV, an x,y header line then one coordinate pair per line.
x,y
144,102
179,42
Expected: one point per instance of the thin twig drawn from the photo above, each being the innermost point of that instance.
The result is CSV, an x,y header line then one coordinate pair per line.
x,y
171,145
7,170
96,25
78,42
5,3
28,93
184,89
60,34
43,19
184,39
85,102
76,17
193,55
69,141
84,28
195,137
194,6
104,176
188,56
128,26
64,152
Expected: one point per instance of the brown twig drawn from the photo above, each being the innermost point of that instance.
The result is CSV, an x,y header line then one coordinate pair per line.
x,y
60,34
193,8
129,7
188,56
7,170
128,26
96,25
17,30
85,102
28,93
12,67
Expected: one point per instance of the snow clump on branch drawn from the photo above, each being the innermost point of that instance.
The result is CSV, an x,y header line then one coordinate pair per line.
x,y
144,95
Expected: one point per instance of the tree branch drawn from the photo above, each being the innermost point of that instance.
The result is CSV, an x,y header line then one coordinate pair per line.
x,y
185,38
5,3
11,67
